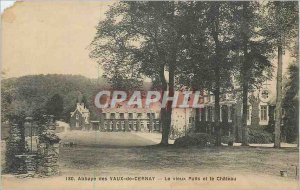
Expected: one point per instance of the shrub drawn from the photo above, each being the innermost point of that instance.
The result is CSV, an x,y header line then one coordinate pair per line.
x,y
195,139
227,140
260,136
49,137
176,133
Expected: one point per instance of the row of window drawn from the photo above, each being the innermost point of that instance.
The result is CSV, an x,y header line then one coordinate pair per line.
x,y
130,115
131,125
207,113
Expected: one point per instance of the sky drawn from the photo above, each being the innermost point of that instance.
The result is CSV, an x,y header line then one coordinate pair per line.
x,y
49,37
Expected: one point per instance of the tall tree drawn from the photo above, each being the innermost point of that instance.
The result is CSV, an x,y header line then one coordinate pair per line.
x,y
206,51
251,53
214,47
281,25
215,16
142,38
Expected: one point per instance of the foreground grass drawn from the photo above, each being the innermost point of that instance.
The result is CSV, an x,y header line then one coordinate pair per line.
x,y
129,154
171,159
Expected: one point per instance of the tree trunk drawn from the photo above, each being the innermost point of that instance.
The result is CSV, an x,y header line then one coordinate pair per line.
x,y
245,112
197,119
166,127
245,75
163,118
217,108
166,113
215,35
245,87
278,111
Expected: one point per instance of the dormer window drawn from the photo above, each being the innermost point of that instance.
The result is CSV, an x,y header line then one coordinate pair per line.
x,y
77,116
265,94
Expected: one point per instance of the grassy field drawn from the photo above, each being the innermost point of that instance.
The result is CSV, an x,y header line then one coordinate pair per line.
x,y
129,154
110,153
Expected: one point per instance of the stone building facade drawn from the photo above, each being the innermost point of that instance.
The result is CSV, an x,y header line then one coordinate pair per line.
x,y
121,118
124,118
261,107
80,118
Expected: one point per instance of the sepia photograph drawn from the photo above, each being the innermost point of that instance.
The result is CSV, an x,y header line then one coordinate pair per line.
x,y
102,95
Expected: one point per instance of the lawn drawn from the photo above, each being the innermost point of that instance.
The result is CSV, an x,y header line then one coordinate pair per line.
x,y
105,155
110,153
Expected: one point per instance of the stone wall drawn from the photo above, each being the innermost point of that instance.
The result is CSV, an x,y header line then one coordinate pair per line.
x,y
22,161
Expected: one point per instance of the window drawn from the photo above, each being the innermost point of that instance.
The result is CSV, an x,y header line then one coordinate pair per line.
x,y
111,125
122,125
231,113
148,115
263,113
139,115
153,115
121,115
221,109
104,115
130,115
212,113
248,113
212,98
77,116
112,116
200,114
191,119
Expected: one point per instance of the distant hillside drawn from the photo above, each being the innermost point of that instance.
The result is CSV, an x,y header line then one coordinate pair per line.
x,y
28,95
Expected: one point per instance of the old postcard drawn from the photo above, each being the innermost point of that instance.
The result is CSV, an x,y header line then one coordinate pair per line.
x,y
149,95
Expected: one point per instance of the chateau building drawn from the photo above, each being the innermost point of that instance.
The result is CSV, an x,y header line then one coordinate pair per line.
x,y
261,109
122,118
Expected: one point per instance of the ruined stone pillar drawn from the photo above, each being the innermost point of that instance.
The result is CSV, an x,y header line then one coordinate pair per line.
x,y
15,145
48,150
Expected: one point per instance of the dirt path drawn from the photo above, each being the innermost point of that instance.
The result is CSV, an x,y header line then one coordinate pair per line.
x,y
109,139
